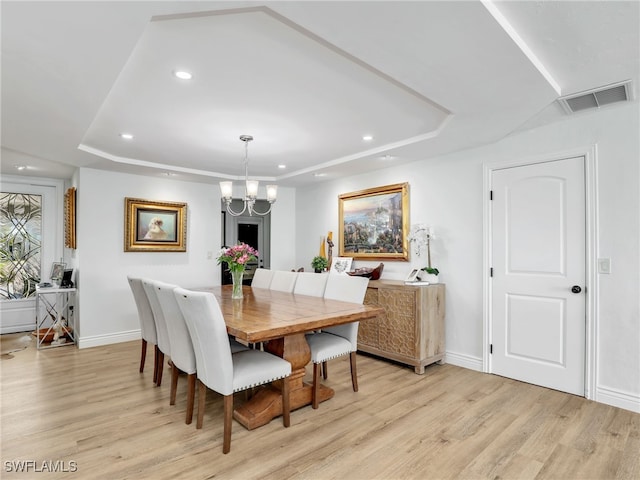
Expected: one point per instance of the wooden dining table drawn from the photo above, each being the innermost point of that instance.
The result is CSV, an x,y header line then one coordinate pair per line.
x,y
280,320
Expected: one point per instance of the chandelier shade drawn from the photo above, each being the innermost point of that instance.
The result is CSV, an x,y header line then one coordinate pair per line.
x,y
250,188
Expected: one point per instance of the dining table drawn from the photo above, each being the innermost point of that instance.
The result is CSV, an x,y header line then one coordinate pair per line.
x,y
279,321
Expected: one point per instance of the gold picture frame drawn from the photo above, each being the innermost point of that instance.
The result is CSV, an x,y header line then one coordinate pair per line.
x,y
152,226
70,218
381,213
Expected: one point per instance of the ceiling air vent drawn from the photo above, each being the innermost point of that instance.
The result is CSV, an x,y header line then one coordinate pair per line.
x,y
598,97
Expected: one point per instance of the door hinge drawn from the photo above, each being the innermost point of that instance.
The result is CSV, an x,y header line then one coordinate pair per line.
x,y
490,194
491,349
491,272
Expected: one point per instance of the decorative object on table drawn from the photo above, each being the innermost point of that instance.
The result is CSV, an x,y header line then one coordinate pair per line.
x,y
341,265
152,226
322,252
236,258
47,334
70,218
369,272
57,271
319,264
250,188
374,223
330,244
66,281
421,236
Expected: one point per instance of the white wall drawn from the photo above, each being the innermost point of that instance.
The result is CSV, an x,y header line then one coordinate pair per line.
x,y
106,308
446,192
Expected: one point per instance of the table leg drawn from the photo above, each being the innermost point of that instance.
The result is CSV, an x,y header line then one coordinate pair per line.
x,y
266,404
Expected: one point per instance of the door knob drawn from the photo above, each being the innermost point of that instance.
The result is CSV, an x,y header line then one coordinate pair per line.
x,y
576,289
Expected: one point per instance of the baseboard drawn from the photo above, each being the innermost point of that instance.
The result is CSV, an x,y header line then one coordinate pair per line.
x,y
100,340
25,327
462,360
618,398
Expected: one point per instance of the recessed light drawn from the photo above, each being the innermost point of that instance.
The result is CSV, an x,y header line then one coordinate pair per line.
x,y
126,136
319,174
387,157
168,174
367,138
282,167
183,75
20,167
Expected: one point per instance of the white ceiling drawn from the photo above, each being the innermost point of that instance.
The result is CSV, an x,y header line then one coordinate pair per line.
x,y
306,79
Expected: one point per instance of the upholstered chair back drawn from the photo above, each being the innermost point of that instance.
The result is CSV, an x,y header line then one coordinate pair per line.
x,y
208,332
161,325
283,281
347,289
145,315
182,354
309,283
262,278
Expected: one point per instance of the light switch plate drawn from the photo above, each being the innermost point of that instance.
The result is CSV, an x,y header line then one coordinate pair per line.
x,y
604,265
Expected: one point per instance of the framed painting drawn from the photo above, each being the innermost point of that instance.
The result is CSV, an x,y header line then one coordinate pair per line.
x,y
57,271
70,218
151,226
374,223
341,265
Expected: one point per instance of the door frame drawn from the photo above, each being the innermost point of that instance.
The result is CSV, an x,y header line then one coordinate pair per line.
x,y
591,237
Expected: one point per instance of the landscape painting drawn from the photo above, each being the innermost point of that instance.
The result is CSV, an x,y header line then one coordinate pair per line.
x,y
374,223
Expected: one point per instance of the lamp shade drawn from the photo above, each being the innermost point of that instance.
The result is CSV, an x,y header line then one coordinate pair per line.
x,y
252,188
226,189
272,193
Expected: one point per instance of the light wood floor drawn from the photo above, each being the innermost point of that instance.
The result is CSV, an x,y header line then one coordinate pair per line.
x,y
92,407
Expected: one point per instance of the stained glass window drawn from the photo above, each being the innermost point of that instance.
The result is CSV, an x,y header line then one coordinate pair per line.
x,y
20,244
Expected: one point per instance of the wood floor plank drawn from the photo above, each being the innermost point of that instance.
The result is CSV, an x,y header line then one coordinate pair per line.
x,y
94,408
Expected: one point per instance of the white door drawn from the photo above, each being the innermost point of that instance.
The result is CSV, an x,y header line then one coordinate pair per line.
x,y
538,285
18,315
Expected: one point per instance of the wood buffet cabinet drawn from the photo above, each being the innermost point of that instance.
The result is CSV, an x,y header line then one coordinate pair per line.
x,y
411,330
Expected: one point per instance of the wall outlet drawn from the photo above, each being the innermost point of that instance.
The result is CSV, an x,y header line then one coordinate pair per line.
x,y
604,265
209,255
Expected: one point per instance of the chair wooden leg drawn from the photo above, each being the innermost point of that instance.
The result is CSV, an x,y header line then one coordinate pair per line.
x,y
160,367
325,372
191,394
155,363
286,405
202,397
316,385
175,372
143,354
228,417
354,372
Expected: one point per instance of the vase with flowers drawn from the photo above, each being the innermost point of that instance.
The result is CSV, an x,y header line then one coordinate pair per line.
x,y
237,257
421,236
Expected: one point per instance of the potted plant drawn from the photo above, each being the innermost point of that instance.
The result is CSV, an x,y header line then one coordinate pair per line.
x,y
319,264
430,275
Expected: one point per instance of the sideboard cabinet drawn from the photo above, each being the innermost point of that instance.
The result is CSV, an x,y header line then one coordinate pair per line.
x,y
411,329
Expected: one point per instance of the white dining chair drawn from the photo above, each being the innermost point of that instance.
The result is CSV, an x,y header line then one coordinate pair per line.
x,y
283,281
334,342
182,354
220,370
262,278
164,346
309,283
147,323
183,357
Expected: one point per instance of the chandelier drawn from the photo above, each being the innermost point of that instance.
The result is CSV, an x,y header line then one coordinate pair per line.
x,y
250,188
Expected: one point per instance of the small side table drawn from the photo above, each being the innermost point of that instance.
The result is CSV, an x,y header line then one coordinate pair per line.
x,y
55,317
